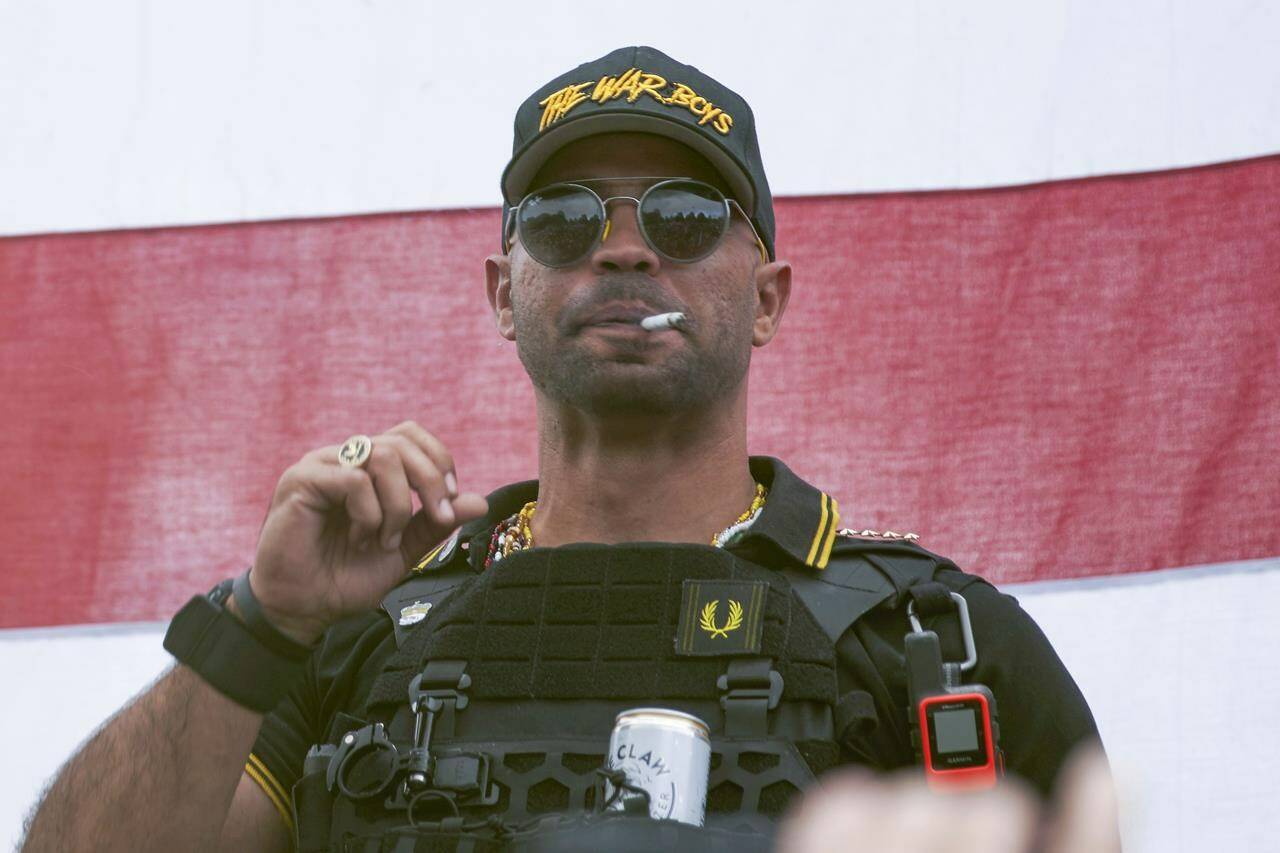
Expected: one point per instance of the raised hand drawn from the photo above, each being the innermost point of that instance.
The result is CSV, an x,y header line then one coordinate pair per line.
x,y
337,538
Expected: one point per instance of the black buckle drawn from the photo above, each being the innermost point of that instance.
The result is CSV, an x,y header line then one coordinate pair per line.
x,y
438,691
465,774
771,692
433,708
749,690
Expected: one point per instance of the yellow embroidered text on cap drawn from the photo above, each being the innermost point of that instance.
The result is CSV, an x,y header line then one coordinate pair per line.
x,y
633,83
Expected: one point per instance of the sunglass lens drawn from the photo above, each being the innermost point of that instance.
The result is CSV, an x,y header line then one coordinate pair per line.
x,y
684,220
559,225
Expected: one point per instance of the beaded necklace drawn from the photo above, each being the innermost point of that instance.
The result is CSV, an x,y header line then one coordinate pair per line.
x,y
514,534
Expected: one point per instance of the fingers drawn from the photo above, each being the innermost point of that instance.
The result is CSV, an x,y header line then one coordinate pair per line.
x,y
902,814
430,467
423,532
828,815
349,488
378,497
1086,818
435,451
386,468
404,461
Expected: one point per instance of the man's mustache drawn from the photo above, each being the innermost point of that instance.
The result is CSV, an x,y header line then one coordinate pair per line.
x,y
617,287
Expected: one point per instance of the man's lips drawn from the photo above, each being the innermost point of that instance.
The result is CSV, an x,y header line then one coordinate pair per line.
x,y
627,330
616,315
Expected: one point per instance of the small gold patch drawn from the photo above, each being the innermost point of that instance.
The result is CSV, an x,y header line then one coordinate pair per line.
x,y
700,631
707,621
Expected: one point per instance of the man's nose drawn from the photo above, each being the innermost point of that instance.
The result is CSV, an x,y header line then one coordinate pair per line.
x,y
623,249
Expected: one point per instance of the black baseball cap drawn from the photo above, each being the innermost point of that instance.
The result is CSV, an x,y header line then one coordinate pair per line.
x,y
642,90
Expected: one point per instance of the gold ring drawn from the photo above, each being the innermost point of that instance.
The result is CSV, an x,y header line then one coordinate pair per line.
x,y
355,451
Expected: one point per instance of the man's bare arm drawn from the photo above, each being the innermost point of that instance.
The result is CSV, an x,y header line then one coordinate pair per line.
x,y
160,775
166,773
253,822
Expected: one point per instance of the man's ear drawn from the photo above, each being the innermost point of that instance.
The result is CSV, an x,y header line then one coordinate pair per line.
x,y
497,285
773,290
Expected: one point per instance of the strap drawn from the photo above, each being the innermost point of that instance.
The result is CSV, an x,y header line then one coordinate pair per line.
x,y
749,690
935,600
931,598
223,652
840,595
260,626
410,603
855,715
312,813
860,576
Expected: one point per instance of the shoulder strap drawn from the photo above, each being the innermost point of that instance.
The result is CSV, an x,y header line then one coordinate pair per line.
x,y
431,580
860,576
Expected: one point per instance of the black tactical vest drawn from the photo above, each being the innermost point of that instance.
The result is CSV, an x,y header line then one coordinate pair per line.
x,y
487,727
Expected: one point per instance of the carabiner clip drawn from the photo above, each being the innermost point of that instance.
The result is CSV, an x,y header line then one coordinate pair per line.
x,y
966,630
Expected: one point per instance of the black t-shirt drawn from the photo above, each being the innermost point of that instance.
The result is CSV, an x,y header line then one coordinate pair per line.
x,y
1043,715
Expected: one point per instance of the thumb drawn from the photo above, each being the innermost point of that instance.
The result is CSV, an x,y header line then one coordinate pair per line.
x,y
424,531
1085,818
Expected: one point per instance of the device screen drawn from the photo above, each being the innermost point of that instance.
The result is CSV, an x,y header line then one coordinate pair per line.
x,y
956,736
957,731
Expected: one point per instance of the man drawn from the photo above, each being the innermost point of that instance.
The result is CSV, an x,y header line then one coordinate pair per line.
x,y
653,562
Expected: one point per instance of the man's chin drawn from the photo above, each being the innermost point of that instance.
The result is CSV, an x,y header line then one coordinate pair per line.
x,y
624,388
623,382
631,399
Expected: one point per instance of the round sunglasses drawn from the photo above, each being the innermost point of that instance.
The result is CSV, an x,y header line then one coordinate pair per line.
x,y
681,219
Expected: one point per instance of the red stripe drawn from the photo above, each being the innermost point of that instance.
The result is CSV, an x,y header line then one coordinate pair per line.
x,y
1060,380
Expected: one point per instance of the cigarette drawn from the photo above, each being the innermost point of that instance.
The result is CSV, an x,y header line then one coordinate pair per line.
x,y
658,322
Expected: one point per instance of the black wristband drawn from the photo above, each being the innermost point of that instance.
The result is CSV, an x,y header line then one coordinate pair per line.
x,y
258,624
222,651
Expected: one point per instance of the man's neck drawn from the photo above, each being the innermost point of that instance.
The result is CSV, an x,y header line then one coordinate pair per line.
x,y
662,480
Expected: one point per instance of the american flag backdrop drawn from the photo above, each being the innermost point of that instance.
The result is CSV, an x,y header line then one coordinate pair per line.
x,y
1035,319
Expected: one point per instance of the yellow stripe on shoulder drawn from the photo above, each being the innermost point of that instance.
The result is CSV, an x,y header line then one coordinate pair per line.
x,y
426,561
830,540
444,551
820,533
271,786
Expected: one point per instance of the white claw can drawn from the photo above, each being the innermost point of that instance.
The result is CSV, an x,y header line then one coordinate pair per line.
x,y
667,754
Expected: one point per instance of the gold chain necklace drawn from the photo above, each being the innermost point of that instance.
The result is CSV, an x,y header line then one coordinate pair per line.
x,y
515,534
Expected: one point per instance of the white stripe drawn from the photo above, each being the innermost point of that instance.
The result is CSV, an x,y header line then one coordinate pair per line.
x,y
136,113
1210,571
1179,667
1181,671
60,684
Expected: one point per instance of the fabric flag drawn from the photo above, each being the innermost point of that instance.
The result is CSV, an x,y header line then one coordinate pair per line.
x,y
1070,387
1053,381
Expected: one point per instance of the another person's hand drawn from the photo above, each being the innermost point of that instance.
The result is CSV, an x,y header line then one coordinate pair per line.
x,y
337,538
859,812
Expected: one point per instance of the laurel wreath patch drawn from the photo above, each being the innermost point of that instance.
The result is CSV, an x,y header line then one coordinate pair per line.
x,y
707,619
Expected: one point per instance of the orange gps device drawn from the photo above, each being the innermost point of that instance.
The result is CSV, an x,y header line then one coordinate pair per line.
x,y
954,726
959,751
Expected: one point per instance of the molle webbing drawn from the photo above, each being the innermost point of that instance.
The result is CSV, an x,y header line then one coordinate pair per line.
x,y
599,622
